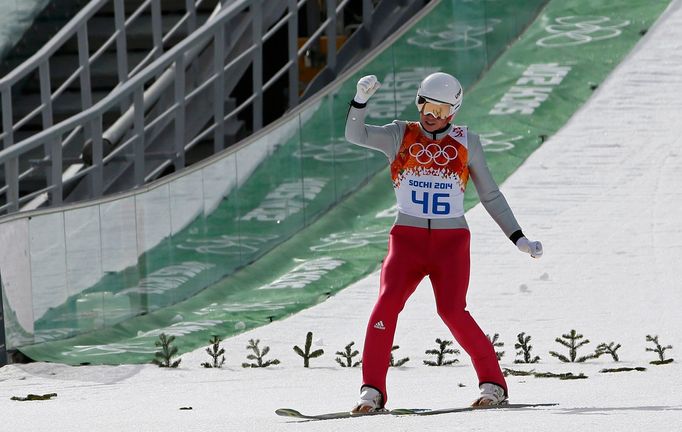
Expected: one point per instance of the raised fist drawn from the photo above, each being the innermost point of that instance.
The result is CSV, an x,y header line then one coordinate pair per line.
x,y
367,86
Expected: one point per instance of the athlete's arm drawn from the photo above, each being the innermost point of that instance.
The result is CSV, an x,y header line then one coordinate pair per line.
x,y
488,191
383,138
386,138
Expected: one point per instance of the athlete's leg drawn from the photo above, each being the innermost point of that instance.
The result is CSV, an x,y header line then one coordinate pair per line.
x,y
449,274
401,272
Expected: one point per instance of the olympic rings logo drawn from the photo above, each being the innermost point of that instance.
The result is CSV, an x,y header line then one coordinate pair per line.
x,y
227,244
337,151
456,37
497,141
344,240
577,30
433,153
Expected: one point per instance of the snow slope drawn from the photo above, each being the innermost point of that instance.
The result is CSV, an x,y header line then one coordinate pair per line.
x,y
604,195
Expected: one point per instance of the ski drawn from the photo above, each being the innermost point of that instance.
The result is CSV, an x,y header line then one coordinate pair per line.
x,y
422,412
288,412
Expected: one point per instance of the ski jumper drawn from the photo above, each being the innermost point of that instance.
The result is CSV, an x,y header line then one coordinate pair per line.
x,y
430,236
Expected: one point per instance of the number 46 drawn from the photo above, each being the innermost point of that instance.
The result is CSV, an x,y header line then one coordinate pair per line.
x,y
437,206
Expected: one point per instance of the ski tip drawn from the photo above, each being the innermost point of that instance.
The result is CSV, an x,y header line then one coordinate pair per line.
x,y
287,412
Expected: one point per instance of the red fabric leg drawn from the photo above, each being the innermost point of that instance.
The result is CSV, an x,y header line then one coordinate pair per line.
x,y
402,270
449,273
412,254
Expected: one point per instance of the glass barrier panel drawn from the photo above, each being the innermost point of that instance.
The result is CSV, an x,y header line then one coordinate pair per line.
x,y
119,260
15,272
83,248
188,271
85,310
119,234
186,201
219,180
350,164
213,239
48,276
152,209
271,199
316,155
505,21
451,41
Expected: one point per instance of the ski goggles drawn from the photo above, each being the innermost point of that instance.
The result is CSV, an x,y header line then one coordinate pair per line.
x,y
437,109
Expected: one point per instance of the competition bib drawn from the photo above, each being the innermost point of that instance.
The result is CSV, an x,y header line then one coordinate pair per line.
x,y
429,176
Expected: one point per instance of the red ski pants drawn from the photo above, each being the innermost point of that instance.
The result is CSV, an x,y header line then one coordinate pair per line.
x,y
443,255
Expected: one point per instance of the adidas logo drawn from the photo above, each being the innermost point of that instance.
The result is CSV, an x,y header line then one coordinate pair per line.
x,y
379,325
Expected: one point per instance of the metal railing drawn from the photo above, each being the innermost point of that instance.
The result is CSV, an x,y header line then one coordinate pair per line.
x,y
138,122
79,28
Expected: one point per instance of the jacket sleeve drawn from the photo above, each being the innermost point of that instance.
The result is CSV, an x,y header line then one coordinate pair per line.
x,y
385,138
489,193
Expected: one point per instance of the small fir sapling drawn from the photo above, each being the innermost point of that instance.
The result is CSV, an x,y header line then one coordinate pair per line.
x,y
623,369
561,376
345,358
660,350
572,342
399,362
524,345
307,355
34,397
215,351
514,372
258,356
611,349
168,351
497,344
440,354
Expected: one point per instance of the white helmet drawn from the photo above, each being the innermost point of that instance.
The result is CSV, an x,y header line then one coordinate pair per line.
x,y
441,88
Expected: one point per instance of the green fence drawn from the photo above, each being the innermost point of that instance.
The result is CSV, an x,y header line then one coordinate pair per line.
x,y
214,252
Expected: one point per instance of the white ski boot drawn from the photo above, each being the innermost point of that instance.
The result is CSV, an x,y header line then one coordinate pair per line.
x,y
491,394
370,401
